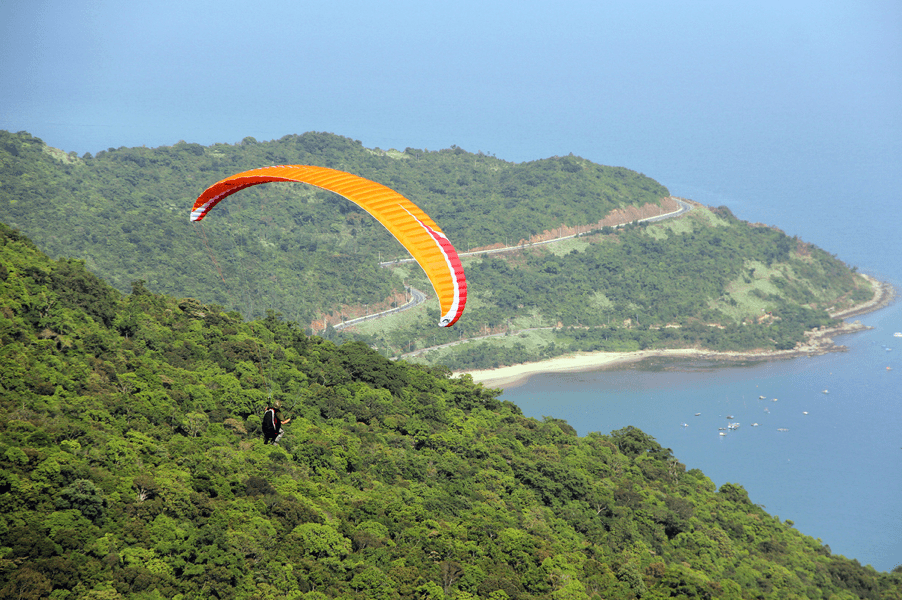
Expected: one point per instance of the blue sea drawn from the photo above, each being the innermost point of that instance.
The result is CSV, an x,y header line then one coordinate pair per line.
x,y
836,470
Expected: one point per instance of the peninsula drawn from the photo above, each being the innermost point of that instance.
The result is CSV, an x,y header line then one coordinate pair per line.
x,y
818,342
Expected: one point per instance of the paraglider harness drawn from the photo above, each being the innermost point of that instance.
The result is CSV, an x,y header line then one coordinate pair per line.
x,y
272,427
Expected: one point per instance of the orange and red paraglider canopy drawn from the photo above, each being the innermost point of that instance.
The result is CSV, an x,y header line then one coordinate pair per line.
x,y
404,219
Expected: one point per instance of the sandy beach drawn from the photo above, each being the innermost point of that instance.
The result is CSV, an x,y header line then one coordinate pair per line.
x,y
818,342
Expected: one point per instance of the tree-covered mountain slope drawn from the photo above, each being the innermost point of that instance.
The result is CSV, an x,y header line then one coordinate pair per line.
x,y
132,466
704,280
286,247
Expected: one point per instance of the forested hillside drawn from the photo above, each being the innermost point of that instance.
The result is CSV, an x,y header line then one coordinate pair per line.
x,y
706,280
132,466
285,247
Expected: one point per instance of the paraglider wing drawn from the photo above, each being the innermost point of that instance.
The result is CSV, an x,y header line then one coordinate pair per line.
x,y
404,219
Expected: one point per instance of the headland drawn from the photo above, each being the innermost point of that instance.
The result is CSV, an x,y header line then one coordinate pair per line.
x,y
819,341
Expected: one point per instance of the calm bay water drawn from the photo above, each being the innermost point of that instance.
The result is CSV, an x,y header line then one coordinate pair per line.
x,y
836,472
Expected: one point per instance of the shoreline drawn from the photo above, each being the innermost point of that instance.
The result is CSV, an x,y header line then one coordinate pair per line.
x,y
819,341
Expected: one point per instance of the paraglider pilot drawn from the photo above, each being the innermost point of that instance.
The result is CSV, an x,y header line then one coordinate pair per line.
x,y
272,424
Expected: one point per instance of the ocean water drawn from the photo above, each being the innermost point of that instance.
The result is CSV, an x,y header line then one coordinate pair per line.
x,y
836,470
829,174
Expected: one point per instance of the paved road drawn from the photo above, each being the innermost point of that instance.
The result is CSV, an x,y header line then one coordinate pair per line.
x,y
418,297
684,208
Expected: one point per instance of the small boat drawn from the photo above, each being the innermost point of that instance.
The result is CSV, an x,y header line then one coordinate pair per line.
x,y
697,414
775,400
782,429
826,391
729,416
722,433
754,424
804,412
760,397
685,424
733,426
897,334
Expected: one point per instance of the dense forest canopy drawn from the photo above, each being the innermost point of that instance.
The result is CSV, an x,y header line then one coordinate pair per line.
x,y
703,280
707,280
285,247
132,467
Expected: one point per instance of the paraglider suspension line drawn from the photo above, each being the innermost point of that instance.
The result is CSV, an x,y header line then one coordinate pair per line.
x,y
203,236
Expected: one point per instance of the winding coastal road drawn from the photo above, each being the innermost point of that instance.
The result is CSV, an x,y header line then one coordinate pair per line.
x,y
683,209
417,297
